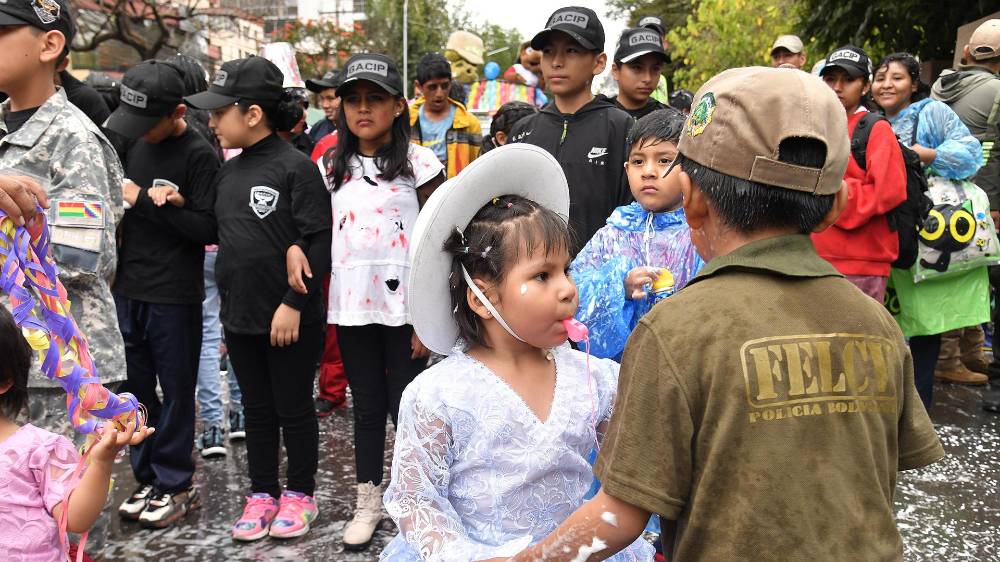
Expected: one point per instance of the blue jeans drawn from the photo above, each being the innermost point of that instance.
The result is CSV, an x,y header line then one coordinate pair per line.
x,y
209,377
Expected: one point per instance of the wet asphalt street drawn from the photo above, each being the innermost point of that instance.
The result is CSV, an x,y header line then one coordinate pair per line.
x,y
949,511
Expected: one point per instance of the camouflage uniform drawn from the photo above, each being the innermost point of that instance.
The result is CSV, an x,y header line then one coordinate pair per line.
x,y
77,164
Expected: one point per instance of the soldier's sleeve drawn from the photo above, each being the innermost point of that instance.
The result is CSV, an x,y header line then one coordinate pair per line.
x,y
85,207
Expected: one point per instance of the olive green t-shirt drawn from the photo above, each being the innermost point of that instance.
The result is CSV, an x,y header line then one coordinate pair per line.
x,y
767,407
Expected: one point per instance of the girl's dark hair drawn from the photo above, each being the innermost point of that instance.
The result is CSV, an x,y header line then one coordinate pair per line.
x,y
506,117
912,66
501,233
280,116
14,366
660,125
392,160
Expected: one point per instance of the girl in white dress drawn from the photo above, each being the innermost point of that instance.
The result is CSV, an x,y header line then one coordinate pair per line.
x,y
492,442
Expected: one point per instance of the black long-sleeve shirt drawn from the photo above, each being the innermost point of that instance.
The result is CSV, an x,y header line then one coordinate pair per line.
x,y
162,249
270,197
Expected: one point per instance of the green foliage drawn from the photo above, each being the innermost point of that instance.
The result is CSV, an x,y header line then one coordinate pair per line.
x,y
496,37
926,29
723,34
319,46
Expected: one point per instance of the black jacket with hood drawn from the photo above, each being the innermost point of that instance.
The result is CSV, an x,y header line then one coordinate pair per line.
x,y
590,147
973,92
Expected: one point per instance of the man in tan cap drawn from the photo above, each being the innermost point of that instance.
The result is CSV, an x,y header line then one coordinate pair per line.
x,y
788,50
973,92
770,422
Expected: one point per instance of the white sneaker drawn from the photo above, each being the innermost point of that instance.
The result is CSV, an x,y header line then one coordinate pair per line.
x,y
367,515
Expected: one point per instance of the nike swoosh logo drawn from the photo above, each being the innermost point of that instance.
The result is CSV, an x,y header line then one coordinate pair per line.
x,y
597,153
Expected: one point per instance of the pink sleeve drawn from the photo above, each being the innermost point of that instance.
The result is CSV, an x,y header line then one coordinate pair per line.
x,y
53,464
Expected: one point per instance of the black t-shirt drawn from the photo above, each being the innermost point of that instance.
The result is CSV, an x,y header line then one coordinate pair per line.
x,y
651,106
162,249
270,197
16,119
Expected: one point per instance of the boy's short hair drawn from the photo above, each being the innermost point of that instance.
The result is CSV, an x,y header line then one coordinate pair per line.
x,y
661,125
433,66
774,162
749,206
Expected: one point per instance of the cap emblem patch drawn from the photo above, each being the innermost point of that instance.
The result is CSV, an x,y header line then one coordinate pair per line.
x,y
46,10
571,18
701,115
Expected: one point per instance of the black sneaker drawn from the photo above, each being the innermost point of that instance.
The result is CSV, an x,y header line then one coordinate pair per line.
x,y
136,503
237,426
324,407
165,508
211,443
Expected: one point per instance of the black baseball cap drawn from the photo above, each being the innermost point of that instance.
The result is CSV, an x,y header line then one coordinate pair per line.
x,y
638,41
329,80
47,15
579,23
253,78
150,91
852,59
654,23
373,67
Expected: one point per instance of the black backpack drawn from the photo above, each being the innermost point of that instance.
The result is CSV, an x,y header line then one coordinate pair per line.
x,y
908,217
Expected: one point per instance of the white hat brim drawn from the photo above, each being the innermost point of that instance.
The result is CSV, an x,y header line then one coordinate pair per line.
x,y
514,169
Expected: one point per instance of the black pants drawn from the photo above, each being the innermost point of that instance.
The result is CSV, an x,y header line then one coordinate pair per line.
x,y
277,385
925,350
378,366
163,344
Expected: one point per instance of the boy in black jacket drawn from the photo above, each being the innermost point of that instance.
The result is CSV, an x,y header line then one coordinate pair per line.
x,y
585,133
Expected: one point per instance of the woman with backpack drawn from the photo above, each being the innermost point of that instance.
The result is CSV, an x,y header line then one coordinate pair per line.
x,y
861,245
946,148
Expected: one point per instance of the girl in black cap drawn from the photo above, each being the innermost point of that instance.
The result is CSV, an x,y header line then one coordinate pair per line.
x,y
378,181
269,198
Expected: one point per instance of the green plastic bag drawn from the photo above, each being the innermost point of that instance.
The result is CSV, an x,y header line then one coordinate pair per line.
x,y
958,235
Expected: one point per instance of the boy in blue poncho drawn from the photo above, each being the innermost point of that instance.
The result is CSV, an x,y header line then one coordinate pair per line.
x,y
644,243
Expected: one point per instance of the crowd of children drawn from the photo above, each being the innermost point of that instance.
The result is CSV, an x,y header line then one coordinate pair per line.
x,y
720,268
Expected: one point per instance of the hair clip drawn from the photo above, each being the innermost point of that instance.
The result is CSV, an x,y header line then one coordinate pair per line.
x,y
495,201
468,250
460,233
509,204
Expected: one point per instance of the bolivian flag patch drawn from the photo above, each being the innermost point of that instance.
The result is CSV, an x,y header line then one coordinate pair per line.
x,y
79,213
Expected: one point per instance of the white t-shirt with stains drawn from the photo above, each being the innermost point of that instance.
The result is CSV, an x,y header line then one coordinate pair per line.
x,y
371,239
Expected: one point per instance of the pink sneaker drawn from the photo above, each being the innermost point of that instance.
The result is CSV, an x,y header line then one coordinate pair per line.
x,y
256,519
295,513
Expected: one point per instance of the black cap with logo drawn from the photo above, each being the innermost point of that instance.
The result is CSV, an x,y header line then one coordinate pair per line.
x,y
579,23
47,15
329,80
253,79
654,23
639,41
852,59
150,91
375,68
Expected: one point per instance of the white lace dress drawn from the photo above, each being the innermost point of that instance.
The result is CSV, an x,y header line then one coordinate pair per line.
x,y
476,474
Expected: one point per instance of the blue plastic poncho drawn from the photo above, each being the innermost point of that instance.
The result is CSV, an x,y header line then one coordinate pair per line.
x,y
633,237
935,306
959,154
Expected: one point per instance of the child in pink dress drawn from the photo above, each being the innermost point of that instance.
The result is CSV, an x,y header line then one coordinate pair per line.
x,y
37,466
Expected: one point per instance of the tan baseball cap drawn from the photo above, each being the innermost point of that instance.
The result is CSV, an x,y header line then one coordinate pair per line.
x,y
790,42
985,40
741,115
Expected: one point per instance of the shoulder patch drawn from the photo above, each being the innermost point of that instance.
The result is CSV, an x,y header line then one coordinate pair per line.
x,y
88,214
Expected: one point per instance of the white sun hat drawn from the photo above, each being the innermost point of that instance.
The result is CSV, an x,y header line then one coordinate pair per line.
x,y
514,169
